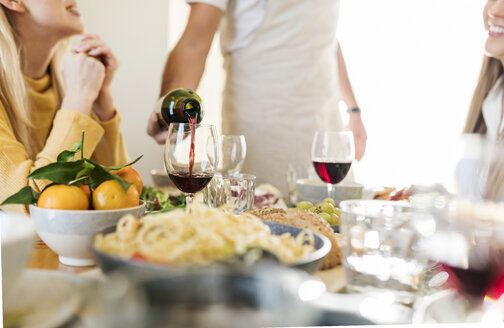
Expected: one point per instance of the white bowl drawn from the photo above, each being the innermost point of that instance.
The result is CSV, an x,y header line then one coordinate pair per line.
x,y
18,233
69,232
315,191
160,178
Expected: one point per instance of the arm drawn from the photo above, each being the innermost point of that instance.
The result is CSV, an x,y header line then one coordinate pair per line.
x,y
355,124
186,63
16,165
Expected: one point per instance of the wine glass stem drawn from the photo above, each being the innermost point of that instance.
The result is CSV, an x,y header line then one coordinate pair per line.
x,y
329,190
188,199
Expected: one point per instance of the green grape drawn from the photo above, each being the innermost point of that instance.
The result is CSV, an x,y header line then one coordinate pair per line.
x,y
335,219
337,211
304,205
312,209
330,201
326,217
325,207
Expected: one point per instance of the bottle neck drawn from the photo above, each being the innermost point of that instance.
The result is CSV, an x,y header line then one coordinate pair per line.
x,y
189,108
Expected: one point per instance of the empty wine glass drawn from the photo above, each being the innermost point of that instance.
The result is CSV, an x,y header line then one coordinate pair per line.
x,y
332,155
191,155
232,154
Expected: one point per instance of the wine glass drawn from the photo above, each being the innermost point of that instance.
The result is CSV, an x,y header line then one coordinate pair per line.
x,y
232,154
332,156
191,155
468,245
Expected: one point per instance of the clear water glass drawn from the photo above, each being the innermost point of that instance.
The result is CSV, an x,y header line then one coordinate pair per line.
x,y
234,191
381,247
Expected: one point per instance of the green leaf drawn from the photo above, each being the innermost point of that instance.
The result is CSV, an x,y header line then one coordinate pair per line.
x,y
59,172
77,146
99,175
25,196
65,155
118,167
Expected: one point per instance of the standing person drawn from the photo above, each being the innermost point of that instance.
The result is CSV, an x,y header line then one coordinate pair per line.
x,y
284,76
42,113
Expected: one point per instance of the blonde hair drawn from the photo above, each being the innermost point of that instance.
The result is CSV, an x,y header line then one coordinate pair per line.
x,y
491,69
13,89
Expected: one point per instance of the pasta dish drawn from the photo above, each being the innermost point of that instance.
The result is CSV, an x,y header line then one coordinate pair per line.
x,y
199,236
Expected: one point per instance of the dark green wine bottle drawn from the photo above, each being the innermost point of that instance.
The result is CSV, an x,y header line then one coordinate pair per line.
x,y
179,106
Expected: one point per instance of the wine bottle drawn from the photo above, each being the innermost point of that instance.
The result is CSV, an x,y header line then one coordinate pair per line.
x,y
179,106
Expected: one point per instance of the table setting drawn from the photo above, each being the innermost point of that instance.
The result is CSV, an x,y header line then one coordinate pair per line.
x,y
234,253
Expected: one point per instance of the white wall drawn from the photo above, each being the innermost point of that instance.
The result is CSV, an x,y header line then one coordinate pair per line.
x,y
138,34
413,65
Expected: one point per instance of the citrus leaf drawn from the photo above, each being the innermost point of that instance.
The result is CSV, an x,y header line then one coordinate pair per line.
x,y
118,167
59,172
99,175
65,155
77,146
25,196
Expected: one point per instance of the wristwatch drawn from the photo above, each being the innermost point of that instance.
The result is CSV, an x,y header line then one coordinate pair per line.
x,y
354,110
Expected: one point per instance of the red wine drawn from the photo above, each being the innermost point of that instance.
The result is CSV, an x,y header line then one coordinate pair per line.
x,y
331,172
190,183
470,281
483,275
192,123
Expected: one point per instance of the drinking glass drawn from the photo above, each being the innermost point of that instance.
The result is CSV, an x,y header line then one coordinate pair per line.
x,y
479,172
191,155
468,244
381,247
232,154
234,191
332,155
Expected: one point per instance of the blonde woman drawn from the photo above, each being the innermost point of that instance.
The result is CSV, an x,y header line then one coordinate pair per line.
x,y
485,113
41,112
487,105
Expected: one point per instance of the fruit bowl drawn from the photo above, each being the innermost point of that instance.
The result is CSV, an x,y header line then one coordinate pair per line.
x,y
18,234
69,232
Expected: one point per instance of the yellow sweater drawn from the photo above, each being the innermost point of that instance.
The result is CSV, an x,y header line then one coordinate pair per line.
x,y
60,129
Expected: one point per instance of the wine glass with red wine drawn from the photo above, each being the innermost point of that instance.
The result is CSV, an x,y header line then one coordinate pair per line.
x,y
332,156
191,155
468,247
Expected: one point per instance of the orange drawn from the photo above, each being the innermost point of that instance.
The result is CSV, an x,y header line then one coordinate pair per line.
x,y
110,195
63,197
130,175
86,190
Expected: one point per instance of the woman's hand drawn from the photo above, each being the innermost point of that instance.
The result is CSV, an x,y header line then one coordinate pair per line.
x,y
93,46
83,77
359,132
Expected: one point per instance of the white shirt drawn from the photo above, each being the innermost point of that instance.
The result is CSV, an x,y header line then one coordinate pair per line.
x,y
244,17
492,110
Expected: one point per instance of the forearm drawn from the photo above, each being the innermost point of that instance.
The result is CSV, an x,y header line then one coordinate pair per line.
x,y
104,105
111,150
184,68
186,63
346,90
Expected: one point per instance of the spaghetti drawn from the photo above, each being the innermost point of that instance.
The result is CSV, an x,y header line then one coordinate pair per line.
x,y
199,236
